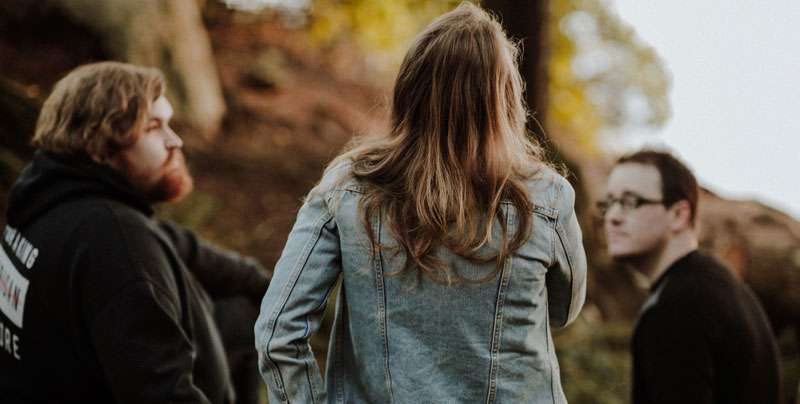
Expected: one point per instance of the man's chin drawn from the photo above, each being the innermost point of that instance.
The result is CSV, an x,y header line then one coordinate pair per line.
x,y
174,186
625,257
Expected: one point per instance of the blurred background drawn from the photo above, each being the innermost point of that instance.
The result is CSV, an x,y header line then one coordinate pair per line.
x,y
266,92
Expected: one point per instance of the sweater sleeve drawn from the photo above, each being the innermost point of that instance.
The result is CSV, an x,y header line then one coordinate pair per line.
x,y
222,272
672,358
145,354
130,302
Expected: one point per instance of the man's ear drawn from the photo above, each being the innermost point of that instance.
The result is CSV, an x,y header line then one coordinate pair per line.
x,y
105,159
681,213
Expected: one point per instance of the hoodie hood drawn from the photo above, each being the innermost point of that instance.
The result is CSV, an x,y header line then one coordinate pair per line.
x,y
50,180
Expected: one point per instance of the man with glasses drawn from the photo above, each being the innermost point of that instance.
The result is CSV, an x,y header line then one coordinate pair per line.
x,y
701,336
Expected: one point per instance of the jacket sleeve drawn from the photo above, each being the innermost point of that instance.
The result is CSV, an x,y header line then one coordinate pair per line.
x,y
293,306
566,278
130,305
222,272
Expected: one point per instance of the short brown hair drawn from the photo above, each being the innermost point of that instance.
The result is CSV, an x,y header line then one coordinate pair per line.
x,y
677,181
97,109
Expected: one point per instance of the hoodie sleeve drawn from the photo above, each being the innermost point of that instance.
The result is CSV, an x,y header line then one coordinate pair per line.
x,y
133,307
222,272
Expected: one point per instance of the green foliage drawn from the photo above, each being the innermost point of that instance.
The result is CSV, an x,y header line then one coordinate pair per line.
x,y
790,366
602,77
193,212
570,111
595,362
378,26
10,167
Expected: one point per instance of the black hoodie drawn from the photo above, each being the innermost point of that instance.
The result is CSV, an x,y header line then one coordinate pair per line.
x,y
96,301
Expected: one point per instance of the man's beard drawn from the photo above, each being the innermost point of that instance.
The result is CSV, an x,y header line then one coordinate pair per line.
x,y
175,182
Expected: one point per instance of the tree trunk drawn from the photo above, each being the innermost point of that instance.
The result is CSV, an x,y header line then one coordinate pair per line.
x,y
19,111
526,21
166,34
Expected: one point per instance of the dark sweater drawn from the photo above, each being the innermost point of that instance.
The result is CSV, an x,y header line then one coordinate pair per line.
x,y
97,303
702,337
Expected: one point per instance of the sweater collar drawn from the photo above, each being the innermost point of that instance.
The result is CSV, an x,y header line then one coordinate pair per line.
x,y
677,266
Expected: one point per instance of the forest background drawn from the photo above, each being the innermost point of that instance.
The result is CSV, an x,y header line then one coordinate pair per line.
x,y
268,91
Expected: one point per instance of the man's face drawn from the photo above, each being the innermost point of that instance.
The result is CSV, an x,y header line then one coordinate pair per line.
x,y
632,231
155,165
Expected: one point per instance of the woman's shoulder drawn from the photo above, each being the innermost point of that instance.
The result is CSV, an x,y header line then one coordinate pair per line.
x,y
338,176
548,189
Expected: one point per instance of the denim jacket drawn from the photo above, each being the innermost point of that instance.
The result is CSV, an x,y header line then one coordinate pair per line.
x,y
402,338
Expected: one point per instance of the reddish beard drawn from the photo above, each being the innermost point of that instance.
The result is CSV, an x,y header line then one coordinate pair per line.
x,y
175,181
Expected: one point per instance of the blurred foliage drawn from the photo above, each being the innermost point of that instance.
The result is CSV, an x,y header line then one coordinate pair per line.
x,y
790,367
10,167
595,361
382,27
571,112
602,77
192,212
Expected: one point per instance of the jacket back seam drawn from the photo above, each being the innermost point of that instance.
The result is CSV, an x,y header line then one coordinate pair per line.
x,y
381,291
498,322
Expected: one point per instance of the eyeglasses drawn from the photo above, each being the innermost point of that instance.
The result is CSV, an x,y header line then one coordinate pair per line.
x,y
628,202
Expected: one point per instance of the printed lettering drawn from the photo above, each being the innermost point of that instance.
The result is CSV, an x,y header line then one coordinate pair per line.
x,y
13,290
7,339
15,298
12,234
16,347
25,251
15,244
32,258
20,250
9,234
5,284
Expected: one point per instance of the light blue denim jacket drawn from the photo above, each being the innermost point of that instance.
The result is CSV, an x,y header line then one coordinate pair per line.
x,y
405,339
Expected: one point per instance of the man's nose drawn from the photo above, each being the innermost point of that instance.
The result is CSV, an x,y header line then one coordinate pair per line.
x,y
614,215
171,139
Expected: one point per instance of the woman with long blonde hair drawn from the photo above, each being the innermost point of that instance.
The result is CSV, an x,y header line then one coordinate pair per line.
x,y
456,245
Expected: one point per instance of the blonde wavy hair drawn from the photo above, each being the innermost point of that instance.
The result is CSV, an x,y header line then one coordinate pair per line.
x,y
457,148
97,109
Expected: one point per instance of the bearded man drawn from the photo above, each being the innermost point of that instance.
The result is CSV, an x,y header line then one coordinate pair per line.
x,y
100,301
